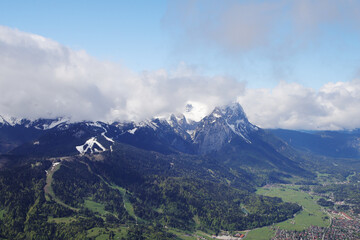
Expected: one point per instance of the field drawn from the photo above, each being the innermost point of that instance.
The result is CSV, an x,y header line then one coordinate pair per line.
x,y
263,233
312,213
189,235
127,204
95,207
323,177
104,234
61,220
2,212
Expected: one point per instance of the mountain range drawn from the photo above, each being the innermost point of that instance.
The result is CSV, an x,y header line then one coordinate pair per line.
x,y
224,133
75,177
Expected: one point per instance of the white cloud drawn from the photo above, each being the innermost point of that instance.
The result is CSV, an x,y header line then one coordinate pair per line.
x,y
236,25
293,106
41,78
279,30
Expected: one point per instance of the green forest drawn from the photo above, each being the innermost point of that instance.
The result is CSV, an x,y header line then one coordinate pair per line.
x,y
39,201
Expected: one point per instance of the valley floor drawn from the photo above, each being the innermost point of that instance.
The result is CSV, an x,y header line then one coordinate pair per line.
x,y
313,222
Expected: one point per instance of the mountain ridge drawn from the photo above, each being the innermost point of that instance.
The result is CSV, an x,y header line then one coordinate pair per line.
x,y
225,134
183,131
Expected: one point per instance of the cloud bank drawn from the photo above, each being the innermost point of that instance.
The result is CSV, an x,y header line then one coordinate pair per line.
x,y
278,30
41,78
292,106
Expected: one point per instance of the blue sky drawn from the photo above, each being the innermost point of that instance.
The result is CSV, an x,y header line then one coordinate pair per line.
x,y
252,51
136,34
125,31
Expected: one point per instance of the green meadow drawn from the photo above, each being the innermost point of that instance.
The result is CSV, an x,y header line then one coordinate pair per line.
x,y
2,212
95,207
61,220
312,213
104,234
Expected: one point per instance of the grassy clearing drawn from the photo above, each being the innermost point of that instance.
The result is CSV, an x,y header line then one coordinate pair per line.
x,y
263,233
184,235
322,174
34,165
49,178
32,209
61,220
102,233
2,213
49,192
95,206
312,213
325,177
127,204
196,220
202,234
293,179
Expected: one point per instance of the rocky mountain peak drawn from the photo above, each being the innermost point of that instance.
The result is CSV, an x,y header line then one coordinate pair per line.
x,y
221,126
233,112
178,120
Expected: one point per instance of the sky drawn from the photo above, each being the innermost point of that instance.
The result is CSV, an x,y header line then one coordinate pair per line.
x,y
291,64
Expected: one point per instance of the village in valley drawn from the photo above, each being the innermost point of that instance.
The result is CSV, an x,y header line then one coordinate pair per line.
x,y
343,216
329,212
323,216
342,227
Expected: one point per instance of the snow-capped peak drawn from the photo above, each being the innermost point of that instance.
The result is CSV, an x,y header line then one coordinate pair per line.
x,y
11,121
231,111
147,123
221,126
2,120
176,120
51,123
41,123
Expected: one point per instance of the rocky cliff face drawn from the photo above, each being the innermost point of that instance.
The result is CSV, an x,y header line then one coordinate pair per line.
x,y
221,126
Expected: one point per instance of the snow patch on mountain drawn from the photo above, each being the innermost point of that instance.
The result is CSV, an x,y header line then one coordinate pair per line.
x,y
12,121
217,115
191,133
147,123
237,132
132,131
40,124
91,145
94,124
55,123
2,120
107,138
